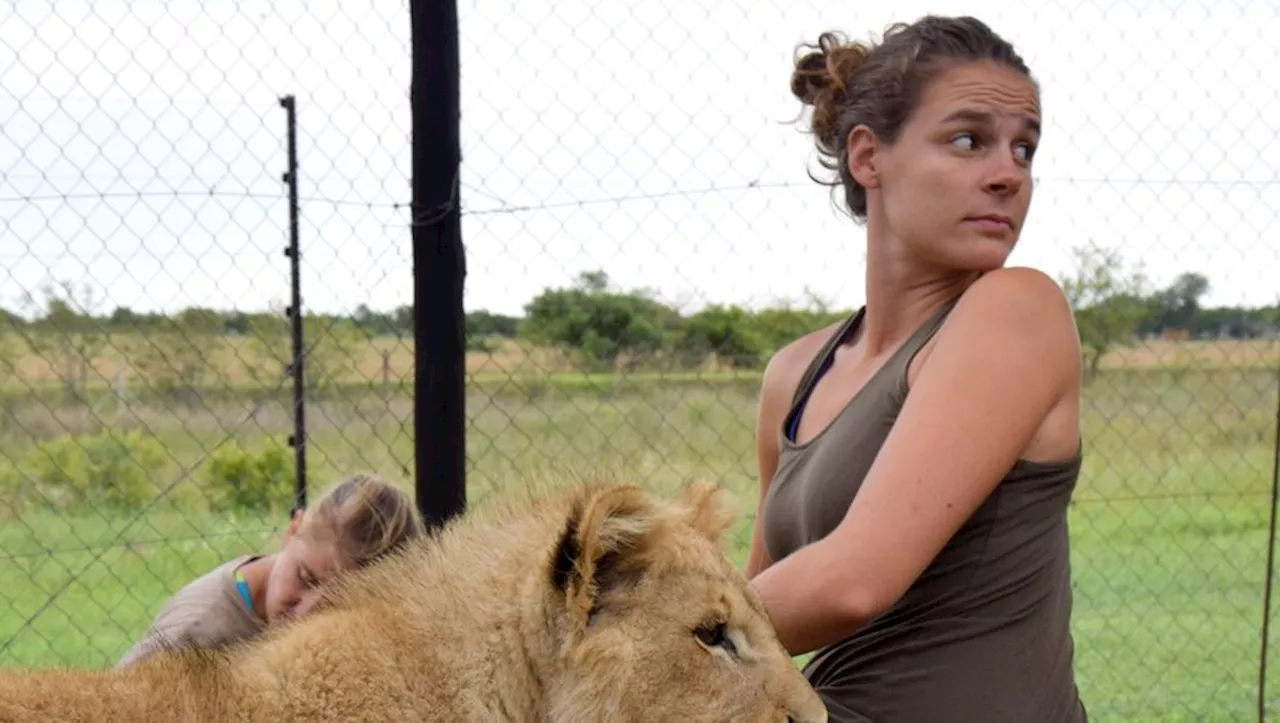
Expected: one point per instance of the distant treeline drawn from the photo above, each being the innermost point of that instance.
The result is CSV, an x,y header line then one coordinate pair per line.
x,y
607,325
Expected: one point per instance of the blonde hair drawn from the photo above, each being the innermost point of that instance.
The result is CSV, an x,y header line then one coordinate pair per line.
x,y
364,516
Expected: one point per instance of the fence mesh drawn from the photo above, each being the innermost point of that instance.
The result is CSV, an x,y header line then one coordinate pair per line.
x,y
146,341
641,235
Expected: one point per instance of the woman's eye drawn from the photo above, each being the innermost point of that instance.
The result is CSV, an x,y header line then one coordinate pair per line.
x,y
965,141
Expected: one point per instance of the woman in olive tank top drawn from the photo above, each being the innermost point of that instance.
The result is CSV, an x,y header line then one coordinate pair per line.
x,y
917,459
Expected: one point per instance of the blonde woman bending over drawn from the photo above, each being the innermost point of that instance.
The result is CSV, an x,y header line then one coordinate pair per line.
x,y
349,526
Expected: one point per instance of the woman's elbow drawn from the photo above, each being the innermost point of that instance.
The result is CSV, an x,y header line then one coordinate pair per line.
x,y
859,604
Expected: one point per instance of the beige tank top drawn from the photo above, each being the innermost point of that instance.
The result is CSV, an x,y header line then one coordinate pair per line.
x,y
208,612
983,636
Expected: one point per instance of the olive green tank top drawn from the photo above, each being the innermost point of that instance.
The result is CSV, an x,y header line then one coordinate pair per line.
x,y
983,635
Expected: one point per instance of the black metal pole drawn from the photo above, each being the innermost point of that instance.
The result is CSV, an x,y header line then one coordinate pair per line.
x,y
298,440
1271,563
439,264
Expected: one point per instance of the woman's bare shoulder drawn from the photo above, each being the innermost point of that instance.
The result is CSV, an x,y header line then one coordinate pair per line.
x,y
787,365
1027,307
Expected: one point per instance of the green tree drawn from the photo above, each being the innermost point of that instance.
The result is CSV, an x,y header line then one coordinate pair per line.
x,y
1109,300
599,322
124,317
65,332
332,347
788,319
402,320
267,350
174,352
1178,305
729,332
11,345
200,321
485,329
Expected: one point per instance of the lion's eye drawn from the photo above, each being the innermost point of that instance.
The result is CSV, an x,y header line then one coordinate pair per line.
x,y
714,636
710,635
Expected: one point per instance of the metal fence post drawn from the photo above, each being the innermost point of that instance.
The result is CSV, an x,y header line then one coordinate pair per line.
x,y
439,265
298,440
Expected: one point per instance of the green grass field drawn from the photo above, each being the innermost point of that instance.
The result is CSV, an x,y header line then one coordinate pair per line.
x,y
1169,525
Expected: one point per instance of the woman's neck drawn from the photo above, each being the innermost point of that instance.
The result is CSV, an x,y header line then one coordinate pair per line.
x,y
901,295
256,574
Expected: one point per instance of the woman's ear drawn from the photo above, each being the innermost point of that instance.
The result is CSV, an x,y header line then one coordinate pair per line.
x,y
294,522
862,148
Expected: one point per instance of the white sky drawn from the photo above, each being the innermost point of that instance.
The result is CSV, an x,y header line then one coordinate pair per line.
x,y
142,144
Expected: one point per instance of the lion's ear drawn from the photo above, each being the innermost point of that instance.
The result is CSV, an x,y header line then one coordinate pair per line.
x,y
603,546
711,511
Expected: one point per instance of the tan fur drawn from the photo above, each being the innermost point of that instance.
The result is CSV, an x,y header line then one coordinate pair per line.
x,y
585,605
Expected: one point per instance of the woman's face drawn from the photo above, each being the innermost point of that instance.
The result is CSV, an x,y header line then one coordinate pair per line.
x,y
300,570
953,191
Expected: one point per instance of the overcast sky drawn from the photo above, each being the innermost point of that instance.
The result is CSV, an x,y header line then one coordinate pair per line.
x,y
141,147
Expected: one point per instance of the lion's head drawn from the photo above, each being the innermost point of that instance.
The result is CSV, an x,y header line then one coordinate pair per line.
x,y
651,622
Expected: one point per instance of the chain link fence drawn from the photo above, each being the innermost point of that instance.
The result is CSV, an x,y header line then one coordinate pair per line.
x,y
147,350
641,235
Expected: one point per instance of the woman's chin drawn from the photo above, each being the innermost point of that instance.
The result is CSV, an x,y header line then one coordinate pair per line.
x,y
986,254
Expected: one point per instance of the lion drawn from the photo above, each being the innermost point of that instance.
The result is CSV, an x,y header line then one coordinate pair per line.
x,y
601,603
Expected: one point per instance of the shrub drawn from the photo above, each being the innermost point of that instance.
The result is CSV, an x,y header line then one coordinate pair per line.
x,y
246,480
111,469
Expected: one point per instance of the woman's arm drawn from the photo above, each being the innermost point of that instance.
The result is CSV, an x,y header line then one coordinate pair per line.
x,y
1008,354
